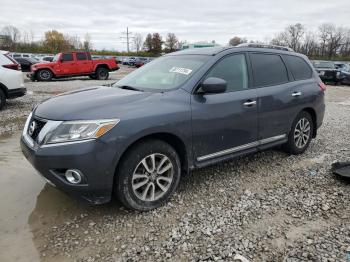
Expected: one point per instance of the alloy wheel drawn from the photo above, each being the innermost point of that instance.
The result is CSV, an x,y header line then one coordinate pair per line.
x,y
302,132
152,177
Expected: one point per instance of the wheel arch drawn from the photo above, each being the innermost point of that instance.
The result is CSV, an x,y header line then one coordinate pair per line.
x,y
4,89
101,66
312,112
173,140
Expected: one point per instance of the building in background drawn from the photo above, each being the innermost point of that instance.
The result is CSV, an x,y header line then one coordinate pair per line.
x,y
199,45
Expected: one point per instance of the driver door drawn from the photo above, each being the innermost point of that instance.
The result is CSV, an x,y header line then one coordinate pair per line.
x,y
68,64
226,123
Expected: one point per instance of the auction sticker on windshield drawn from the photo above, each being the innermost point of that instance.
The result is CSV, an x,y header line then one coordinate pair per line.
x,y
180,70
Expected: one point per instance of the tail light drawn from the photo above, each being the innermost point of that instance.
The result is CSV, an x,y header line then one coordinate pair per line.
x,y
322,86
13,66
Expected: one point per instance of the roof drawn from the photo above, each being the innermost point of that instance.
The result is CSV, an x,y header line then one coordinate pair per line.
x,y
211,51
200,51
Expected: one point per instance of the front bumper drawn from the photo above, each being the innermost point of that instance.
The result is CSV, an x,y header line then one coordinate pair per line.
x,y
18,92
93,158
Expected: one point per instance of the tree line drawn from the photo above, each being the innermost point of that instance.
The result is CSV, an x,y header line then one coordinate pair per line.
x,y
327,42
12,39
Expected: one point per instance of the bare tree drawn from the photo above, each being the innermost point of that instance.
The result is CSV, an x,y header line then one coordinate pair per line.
x,y
332,39
138,41
279,39
171,43
87,42
310,46
11,34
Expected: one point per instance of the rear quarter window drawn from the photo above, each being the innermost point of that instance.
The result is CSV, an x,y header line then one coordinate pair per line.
x,y
298,66
268,69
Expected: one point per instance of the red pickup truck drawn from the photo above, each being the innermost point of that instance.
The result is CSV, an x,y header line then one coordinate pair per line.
x,y
73,64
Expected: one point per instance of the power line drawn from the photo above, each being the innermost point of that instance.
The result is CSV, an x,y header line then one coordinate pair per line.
x,y
127,37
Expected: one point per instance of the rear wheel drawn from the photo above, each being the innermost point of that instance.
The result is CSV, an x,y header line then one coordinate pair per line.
x,y
300,135
148,175
44,75
102,73
2,99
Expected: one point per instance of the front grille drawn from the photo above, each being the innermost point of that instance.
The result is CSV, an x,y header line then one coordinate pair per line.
x,y
34,129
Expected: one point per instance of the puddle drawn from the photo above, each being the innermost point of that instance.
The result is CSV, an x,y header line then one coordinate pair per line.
x,y
28,207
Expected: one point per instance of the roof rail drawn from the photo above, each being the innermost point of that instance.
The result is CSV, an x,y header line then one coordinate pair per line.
x,y
277,47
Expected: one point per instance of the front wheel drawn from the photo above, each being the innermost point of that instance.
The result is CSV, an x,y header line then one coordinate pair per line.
x,y
148,175
44,75
102,73
300,135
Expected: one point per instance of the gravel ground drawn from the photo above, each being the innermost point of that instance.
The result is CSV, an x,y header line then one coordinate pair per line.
x,y
267,207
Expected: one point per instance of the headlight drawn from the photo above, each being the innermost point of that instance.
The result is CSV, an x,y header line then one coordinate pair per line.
x,y
70,131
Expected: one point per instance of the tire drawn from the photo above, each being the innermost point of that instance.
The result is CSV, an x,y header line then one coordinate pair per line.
x,y
102,73
44,75
297,143
144,189
2,99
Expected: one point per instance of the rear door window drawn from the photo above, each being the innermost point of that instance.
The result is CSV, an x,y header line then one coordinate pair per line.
x,y
268,69
298,66
81,56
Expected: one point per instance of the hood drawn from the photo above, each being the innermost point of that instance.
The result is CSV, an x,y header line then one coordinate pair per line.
x,y
92,103
45,64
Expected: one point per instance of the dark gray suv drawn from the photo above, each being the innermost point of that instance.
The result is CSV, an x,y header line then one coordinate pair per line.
x,y
182,111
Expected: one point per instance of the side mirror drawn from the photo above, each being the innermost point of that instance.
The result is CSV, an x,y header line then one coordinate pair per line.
x,y
213,85
61,60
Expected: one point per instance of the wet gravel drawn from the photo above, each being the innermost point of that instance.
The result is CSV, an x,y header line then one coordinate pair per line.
x,y
266,207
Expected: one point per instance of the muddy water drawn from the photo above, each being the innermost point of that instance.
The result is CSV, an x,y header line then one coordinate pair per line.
x,y
19,186
26,204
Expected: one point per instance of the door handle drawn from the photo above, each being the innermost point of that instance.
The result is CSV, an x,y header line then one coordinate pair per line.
x,y
249,103
296,94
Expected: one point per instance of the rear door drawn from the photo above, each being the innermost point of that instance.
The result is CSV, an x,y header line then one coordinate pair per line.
x,y
68,64
84,63
226,123
280,98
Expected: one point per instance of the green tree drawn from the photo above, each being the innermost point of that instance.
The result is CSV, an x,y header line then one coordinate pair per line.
x,y
147,45
156,44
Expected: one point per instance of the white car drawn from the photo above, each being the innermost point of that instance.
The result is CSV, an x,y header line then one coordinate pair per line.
x,y
11,79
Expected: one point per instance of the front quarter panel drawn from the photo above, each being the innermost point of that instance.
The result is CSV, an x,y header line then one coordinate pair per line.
x,y
163,113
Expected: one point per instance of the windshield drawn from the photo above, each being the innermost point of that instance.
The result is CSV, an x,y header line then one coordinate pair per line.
x,y
324,64
164,73
55,58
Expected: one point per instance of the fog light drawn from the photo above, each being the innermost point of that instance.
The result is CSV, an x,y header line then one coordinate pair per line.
x,y
73,176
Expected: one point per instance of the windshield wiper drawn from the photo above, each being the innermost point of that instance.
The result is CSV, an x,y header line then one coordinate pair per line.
x,y
130,88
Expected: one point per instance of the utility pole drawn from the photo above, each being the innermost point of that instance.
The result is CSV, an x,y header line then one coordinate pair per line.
x,y
128,36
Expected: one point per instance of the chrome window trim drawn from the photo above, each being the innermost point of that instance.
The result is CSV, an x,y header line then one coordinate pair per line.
x,y
242,147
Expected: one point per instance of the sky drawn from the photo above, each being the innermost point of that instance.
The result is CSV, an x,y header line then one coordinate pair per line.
x,y
191,20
